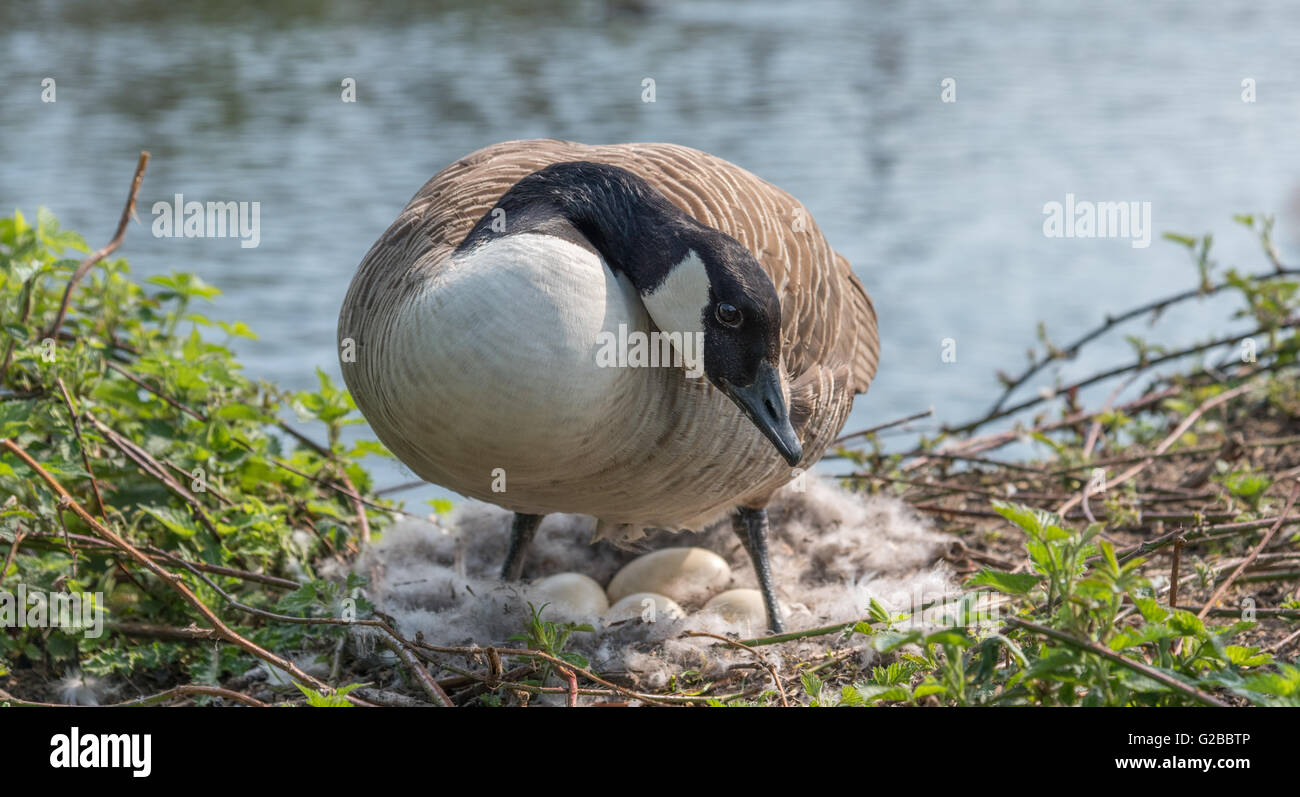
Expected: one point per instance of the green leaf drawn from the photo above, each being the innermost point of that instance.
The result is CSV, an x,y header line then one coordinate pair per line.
x,y
929,689
238,412
175,521
1010,583
862,694
1284,683
1127,638
1245,657
877,612
321,700
1151,611
185,286
238,329
812,685
1186,623
948,636
363,448
14,417
1029,519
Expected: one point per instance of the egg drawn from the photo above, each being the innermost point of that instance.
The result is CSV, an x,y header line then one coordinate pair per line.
x,y
572,594
683,574
742,606
645,606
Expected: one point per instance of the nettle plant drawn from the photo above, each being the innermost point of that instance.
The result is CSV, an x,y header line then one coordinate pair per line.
x,y
1081,627
161,437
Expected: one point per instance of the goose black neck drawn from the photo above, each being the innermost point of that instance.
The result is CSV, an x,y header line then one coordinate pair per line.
x,y
618,214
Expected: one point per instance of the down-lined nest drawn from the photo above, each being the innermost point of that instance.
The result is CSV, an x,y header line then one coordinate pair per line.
x,y
832,552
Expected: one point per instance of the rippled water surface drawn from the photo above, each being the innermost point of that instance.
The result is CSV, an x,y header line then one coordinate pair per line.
x,y
938,205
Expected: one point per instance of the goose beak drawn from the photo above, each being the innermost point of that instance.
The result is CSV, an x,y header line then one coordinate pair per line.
x,y
764,404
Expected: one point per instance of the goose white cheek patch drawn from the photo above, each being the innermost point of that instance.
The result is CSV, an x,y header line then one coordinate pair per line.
x,y
677,306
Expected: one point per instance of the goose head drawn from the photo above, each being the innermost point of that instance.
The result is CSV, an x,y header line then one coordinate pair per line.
x,y
692,279
720,291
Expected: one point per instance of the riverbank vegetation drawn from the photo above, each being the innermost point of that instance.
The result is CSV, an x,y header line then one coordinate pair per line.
x,y
1150,558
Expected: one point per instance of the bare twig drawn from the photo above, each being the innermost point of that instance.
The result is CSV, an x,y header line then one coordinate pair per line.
x,y
1276,646
572,678
988,442
347,489
899,422
170,632
1141,363
173,580
1173,571
397,488
1172,438
475,651
1111,321
13,552
807,633
358,504
430,686
1254,552
350,489
385,697
193,413
27,289
81,444
958,454
1218,611
195,689
154,468
763,660
175,691
1203,534
1113,656
1094,431
102,252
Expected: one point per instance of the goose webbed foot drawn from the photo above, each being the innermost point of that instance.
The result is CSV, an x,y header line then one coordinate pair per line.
x,y
522,529
750,526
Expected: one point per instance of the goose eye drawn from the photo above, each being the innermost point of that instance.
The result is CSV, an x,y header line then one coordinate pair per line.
x,y
728,315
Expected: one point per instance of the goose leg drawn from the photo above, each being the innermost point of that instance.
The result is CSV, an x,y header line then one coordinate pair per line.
x,y
750,526
522,529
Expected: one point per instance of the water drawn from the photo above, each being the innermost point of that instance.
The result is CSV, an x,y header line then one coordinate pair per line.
x,y
938,205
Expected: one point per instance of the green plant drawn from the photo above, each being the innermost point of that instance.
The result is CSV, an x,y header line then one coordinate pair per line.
x,y
551,638
336,700
138,406
1083,628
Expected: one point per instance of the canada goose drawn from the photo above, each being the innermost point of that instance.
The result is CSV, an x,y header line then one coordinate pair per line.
x,y
471,339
